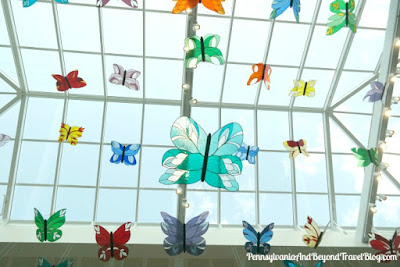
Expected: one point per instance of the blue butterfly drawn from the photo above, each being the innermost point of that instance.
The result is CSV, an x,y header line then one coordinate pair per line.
x,y
28,3
279,6
292,264
258,241
248,153
124,154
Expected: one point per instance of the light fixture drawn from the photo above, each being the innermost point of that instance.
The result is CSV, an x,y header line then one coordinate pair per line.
x,y
378,176
389,133
189,11
384,166
382,145
395,78
196,27
187,205
185,86
193,101
395,99
179,191
381,197
373,208
397,42
388,112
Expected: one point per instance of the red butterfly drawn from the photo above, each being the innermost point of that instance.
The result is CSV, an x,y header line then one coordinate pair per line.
x,y
113,244
71,81
384,246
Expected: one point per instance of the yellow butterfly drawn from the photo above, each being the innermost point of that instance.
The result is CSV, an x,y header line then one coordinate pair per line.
x,y
303,88
71,134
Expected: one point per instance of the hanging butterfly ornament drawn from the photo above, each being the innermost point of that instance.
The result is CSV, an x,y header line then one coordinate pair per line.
x,y
199,49
48,229
4,139
113,244
28,3
280,6
124,154
131,3
261,72
302,88
258,241
248,153
376,91
289,263
296,148
343,16
127,78
366,156
71,134
183,237
314,237
384,246
188,5
44,263
71,81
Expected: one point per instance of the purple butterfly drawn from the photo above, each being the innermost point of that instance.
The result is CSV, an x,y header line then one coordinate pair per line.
x,y
184,237
132,3
125,77
376,92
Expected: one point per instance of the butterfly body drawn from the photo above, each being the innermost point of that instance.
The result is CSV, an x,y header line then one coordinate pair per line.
x,y
70,81
199,49
366,156
261,72
213,5
248,153
48,229
343,16
384,246
124,154
127,78
4,139
71,134
131,3
280,6
376,92
296,147
258,241
314,237
42,262
28,3
302,88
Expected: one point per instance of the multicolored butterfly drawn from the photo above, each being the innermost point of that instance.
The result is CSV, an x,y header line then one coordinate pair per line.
x,y
248,153
384,246
314,237
28,3
126,78
48,229
71,81
44,263
295,148
279,6
199,49
302,88
70,133
213,5
124,154
132,3
184,237
202,157
261,72
289,263
343,16
366,156
113,244
376,92
258,241
4,139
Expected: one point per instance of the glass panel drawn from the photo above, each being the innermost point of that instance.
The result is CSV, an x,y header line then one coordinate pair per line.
x,y
393,143
200,202
375,9
160,5
79,203
350,81
386,186
207,82
311,173
348,176
235,87
387,215
26,198
276,178
237,207
315,206
394,166
279,214
7,65
9,120
339,140
207,118
308,126
347,208
3,29
244,118
122,211
166,201
359,125
278,135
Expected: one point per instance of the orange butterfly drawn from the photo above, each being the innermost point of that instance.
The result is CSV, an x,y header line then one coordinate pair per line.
x,y
71,134
214,5
261,72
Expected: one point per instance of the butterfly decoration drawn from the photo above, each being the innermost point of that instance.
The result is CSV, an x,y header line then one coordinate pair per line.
x,y
248,153
124,154
202,157
4,139
113,244
44,263
366,156
127,78
213,5
131,3
183,237
258,241
384,246
289,263
199,49
261,72
28,3
302,88
314,237
71,81
71,134
376,92
280,6
48,229
343,16
295,148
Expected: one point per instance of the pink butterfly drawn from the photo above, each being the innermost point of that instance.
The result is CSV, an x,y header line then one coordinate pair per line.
x,y
132,3
125,77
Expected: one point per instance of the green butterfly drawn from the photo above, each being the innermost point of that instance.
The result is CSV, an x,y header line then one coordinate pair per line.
x,y
203,50
48,228
44,263
344,16
202,157
366,156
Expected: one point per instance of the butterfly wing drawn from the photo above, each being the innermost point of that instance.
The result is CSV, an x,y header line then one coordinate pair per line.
x,y
379,243
61,83
195,228
103,239
338,20
130,152
253,152
289,263
102,2
242,152
53,223
396,241
214,5
120,238
362,155
117,76
117,148
265,236
67,263
298,88
131,81
319,264
39,221
257,74
313,232
183,5
173,228
376,91
310,90
267,74
251,235
62,1
211,52
4,139
292,147
131,3
28,3
303,147
63,132
279,6
74,134
74,80
296,9
42,262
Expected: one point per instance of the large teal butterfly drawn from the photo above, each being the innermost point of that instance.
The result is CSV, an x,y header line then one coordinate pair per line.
x,y
202,157
199,49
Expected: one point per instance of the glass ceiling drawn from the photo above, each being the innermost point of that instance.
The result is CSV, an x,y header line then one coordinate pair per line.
x,y
56,39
